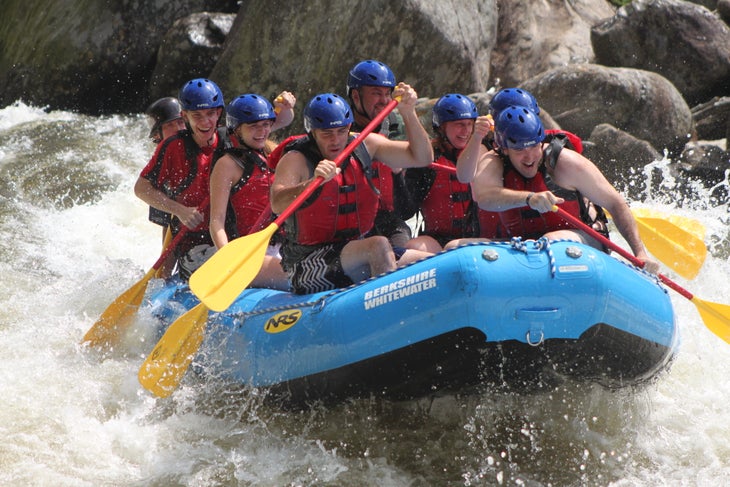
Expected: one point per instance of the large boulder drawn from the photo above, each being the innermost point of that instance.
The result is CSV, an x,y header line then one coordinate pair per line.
x,y
93,57
684,42
537,36
646,105
712,119
619,156
190,49
309,48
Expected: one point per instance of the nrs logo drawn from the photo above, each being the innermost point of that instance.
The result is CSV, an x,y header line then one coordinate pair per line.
x,y
282,321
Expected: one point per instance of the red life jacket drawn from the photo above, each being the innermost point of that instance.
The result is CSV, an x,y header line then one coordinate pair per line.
x,y
529,223
381,174
382,177
250,195
280,149
181,169
573,141
447,207
490,224
526,222
341,209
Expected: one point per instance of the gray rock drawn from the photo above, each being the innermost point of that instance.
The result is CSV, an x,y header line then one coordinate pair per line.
x,y
619,155
190,49
438,47
713,119
642,103
534,37
723,10
92,57
684,42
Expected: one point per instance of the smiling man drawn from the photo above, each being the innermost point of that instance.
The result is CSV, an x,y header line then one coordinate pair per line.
x,y
526,176
370,85
176,179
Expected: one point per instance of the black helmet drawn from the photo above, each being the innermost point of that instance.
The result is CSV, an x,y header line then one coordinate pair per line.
x,y
162,111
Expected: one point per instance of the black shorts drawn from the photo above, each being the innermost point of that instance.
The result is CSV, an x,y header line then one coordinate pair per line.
x,y
316,268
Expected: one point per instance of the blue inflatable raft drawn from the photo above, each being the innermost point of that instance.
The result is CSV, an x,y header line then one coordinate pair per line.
x,y
496,315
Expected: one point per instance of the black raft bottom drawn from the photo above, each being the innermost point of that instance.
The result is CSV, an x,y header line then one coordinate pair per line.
x,y
463,360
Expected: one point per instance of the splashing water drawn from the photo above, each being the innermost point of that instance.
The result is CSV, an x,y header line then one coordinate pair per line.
x,y
74,237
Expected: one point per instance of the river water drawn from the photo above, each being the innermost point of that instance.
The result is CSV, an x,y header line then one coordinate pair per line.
x,y
73,237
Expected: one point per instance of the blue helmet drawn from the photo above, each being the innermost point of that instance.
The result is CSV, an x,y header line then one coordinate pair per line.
x,y
512,96
327,111
370,73
200,94
453,107
518,127
248,108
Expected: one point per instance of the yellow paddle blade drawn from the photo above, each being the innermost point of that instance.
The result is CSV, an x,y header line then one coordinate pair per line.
x,y
689,225
165,367
118,316
678,249
716,317
223,277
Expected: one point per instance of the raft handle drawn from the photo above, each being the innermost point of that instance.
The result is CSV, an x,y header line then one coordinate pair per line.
x,y
537,343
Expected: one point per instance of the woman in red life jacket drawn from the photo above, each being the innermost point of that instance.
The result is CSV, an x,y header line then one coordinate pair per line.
x,y
444,202
524,178
241,179
328,239
175,180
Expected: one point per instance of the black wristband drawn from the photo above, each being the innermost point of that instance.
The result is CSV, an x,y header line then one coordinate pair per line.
x,y
527,200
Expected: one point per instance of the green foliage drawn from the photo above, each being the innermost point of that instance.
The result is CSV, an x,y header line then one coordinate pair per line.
x,y
620,3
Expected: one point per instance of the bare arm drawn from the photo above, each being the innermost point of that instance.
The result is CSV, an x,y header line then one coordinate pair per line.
x,y
284,108
292,177
189,216
468,161
224,174
417,150
488,186
574,171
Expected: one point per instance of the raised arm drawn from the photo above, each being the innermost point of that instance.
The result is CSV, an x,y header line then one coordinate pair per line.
x,y
468,161
417,150
284,108
488,189
574,171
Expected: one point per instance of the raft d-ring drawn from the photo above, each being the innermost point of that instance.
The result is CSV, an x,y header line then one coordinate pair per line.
x,y
490,255
318,306
537,343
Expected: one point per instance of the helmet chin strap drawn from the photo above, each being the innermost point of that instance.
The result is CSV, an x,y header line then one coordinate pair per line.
x,y
359,110
444,138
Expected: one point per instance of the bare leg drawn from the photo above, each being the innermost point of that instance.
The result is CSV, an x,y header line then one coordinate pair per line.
x,y
411,255
424,243
271,275
463,241
576,235
368,257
